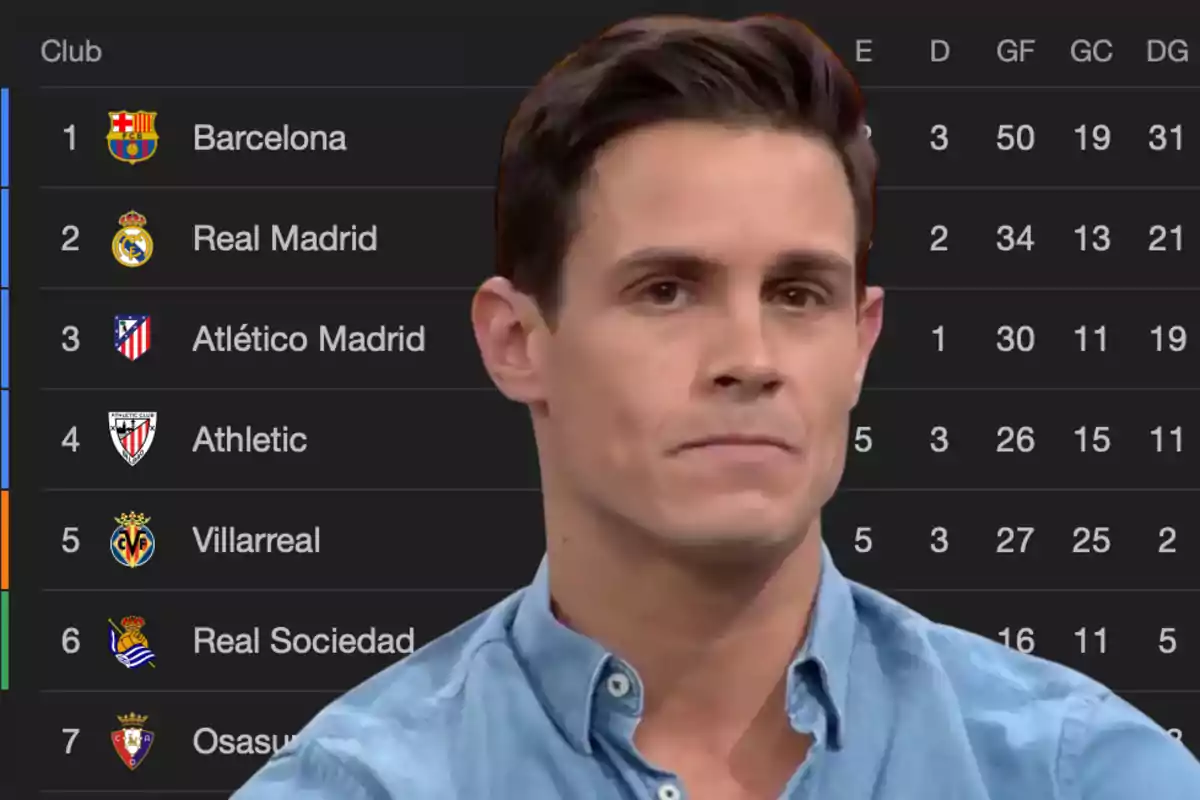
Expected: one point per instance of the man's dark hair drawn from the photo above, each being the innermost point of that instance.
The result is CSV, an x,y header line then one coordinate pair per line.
x,y
761,70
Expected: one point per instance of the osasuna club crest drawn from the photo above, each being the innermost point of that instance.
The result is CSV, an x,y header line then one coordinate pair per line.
x,y
131,335
132,742
132,433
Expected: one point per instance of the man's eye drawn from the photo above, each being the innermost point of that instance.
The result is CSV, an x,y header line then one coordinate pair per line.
x,y
663,292
799,296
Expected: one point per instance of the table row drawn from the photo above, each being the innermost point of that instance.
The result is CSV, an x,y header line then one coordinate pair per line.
x,y
424,339
226,639
132,439
968,236
451,137
210,743
328,541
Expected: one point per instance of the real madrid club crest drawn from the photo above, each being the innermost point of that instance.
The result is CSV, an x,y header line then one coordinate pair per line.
x,y
131,135
128,644
132,246
133,741
131,335
132,543
132,433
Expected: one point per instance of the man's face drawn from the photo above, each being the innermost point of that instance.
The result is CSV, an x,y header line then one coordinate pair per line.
x,y
709,345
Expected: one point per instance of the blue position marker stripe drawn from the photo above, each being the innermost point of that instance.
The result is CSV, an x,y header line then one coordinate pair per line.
x,y
4,340
4,140
4,246
4,238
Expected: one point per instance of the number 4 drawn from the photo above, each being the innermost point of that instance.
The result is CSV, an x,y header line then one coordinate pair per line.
x,y
71,440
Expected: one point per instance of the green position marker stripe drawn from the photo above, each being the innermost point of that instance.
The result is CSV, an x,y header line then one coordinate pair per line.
x,y
3,641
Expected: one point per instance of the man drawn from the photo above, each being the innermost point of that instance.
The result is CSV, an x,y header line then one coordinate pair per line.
x,y
683,214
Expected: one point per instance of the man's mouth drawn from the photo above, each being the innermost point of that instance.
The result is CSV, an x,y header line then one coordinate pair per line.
x,y
747,440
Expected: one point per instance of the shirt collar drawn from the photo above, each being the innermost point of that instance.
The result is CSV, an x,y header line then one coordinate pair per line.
x,y
566,667
822,667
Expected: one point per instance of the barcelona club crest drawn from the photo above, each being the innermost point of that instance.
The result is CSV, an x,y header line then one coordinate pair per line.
x,y
131,135
131,335
133,741
132,543
128,644
132,245
132,433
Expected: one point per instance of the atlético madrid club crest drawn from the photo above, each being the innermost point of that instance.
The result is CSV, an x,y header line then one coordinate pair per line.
x,y
132,433
133,741
131,335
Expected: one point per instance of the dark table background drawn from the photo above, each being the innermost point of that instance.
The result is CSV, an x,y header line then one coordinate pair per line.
x,y
1004,475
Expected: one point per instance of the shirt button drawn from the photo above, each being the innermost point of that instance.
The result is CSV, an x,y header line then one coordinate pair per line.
x,y
669,791
618,686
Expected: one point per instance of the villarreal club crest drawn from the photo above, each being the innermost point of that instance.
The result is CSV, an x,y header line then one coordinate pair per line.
x,y
133,741
131,135
132,543
132,245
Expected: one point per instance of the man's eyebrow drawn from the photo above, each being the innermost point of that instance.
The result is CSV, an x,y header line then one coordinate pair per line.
x,y
808,262
791,263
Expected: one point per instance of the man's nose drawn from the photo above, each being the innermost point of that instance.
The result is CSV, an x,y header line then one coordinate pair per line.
x,y
742,358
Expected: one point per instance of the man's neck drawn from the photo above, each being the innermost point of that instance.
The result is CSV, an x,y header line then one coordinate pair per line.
x,y
712,652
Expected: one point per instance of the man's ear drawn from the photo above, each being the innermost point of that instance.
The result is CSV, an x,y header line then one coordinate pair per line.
x,y
510,333
870,322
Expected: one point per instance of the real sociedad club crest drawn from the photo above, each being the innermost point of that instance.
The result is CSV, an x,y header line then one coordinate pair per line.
x,y
132,433
133,741
131,135
132,245
131,335
132,543
128,644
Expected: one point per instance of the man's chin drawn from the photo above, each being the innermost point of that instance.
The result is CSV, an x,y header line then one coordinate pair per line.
x,y
740,538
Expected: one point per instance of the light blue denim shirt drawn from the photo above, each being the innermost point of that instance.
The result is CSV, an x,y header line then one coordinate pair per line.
x,y
513,705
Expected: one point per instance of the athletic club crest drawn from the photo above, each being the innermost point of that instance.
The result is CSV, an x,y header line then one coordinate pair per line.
x,y
131,335
133,741
132,433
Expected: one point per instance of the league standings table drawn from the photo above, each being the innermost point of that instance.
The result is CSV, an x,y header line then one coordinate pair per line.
x,y
251,457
